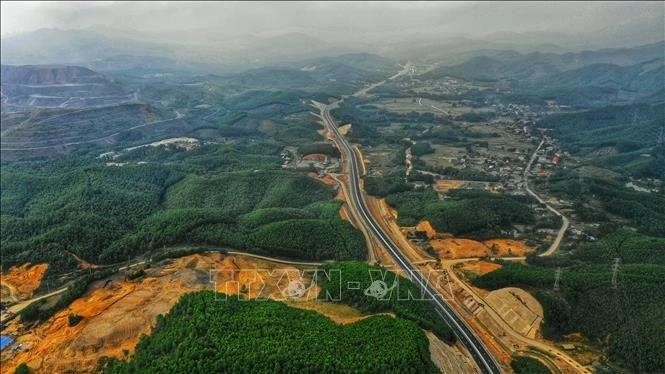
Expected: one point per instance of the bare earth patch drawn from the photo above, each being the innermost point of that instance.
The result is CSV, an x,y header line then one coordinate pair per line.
x,y
426,226
509,247
452,248
445,185
479,268
20,281
518,308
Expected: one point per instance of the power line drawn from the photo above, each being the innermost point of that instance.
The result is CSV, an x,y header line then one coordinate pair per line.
x,y
615,272
557,277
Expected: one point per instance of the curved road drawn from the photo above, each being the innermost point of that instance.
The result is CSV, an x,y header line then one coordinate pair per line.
x,y
565,223
480,353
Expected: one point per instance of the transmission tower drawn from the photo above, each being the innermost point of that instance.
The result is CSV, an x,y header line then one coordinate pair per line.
x,y
557,277
615,272
661,136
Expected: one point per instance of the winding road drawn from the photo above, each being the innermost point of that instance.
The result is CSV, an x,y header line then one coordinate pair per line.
x,y
565,223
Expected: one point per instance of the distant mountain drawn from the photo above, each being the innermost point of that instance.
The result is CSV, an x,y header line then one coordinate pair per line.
x,y
506,65
53,46
285,47
514,65
588,78
365,61
647,76
338,72
643,30
57,86
91,48
50,74
602,84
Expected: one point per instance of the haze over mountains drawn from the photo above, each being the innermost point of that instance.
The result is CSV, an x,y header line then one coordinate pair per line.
x,y
210,36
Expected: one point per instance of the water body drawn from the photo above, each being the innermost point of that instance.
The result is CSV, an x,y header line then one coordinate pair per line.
x,y
5,341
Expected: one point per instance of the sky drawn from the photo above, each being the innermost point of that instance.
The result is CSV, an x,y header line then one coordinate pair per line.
x,y
325,19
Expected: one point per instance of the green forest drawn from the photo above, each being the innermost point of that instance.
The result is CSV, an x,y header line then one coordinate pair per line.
x,y
462,212
216,195
202,334
528,365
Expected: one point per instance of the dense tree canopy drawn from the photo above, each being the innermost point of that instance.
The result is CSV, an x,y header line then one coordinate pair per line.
x,y
203,334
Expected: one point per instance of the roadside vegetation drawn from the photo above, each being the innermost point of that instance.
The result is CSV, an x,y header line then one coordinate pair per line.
x,y
405,300
528,365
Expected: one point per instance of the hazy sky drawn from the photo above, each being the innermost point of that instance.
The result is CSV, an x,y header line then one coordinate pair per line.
x,y
324,18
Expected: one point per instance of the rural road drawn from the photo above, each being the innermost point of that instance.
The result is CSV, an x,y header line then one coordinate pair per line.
x,y
479,352
565,223
16,308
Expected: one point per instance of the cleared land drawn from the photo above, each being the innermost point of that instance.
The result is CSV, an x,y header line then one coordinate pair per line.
x,y
20,281
451,248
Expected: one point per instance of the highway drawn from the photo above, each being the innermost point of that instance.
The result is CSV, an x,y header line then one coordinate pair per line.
x,y
479,352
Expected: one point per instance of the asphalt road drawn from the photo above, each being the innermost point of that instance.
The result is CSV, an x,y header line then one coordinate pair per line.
x,y
480,353
564,221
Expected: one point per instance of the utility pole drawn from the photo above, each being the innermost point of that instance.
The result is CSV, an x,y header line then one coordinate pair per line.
x,y
615,272
557,277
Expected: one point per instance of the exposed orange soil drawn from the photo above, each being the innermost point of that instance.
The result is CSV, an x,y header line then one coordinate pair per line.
x,y
479,267
445,185
344,214
393,212
118,313
326,179
20,281
315,157
344,129
509,247
458,248
450,248
427,228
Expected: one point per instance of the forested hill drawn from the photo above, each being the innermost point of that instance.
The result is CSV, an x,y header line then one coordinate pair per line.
x,y
203,334
623,138
220,195
591,78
